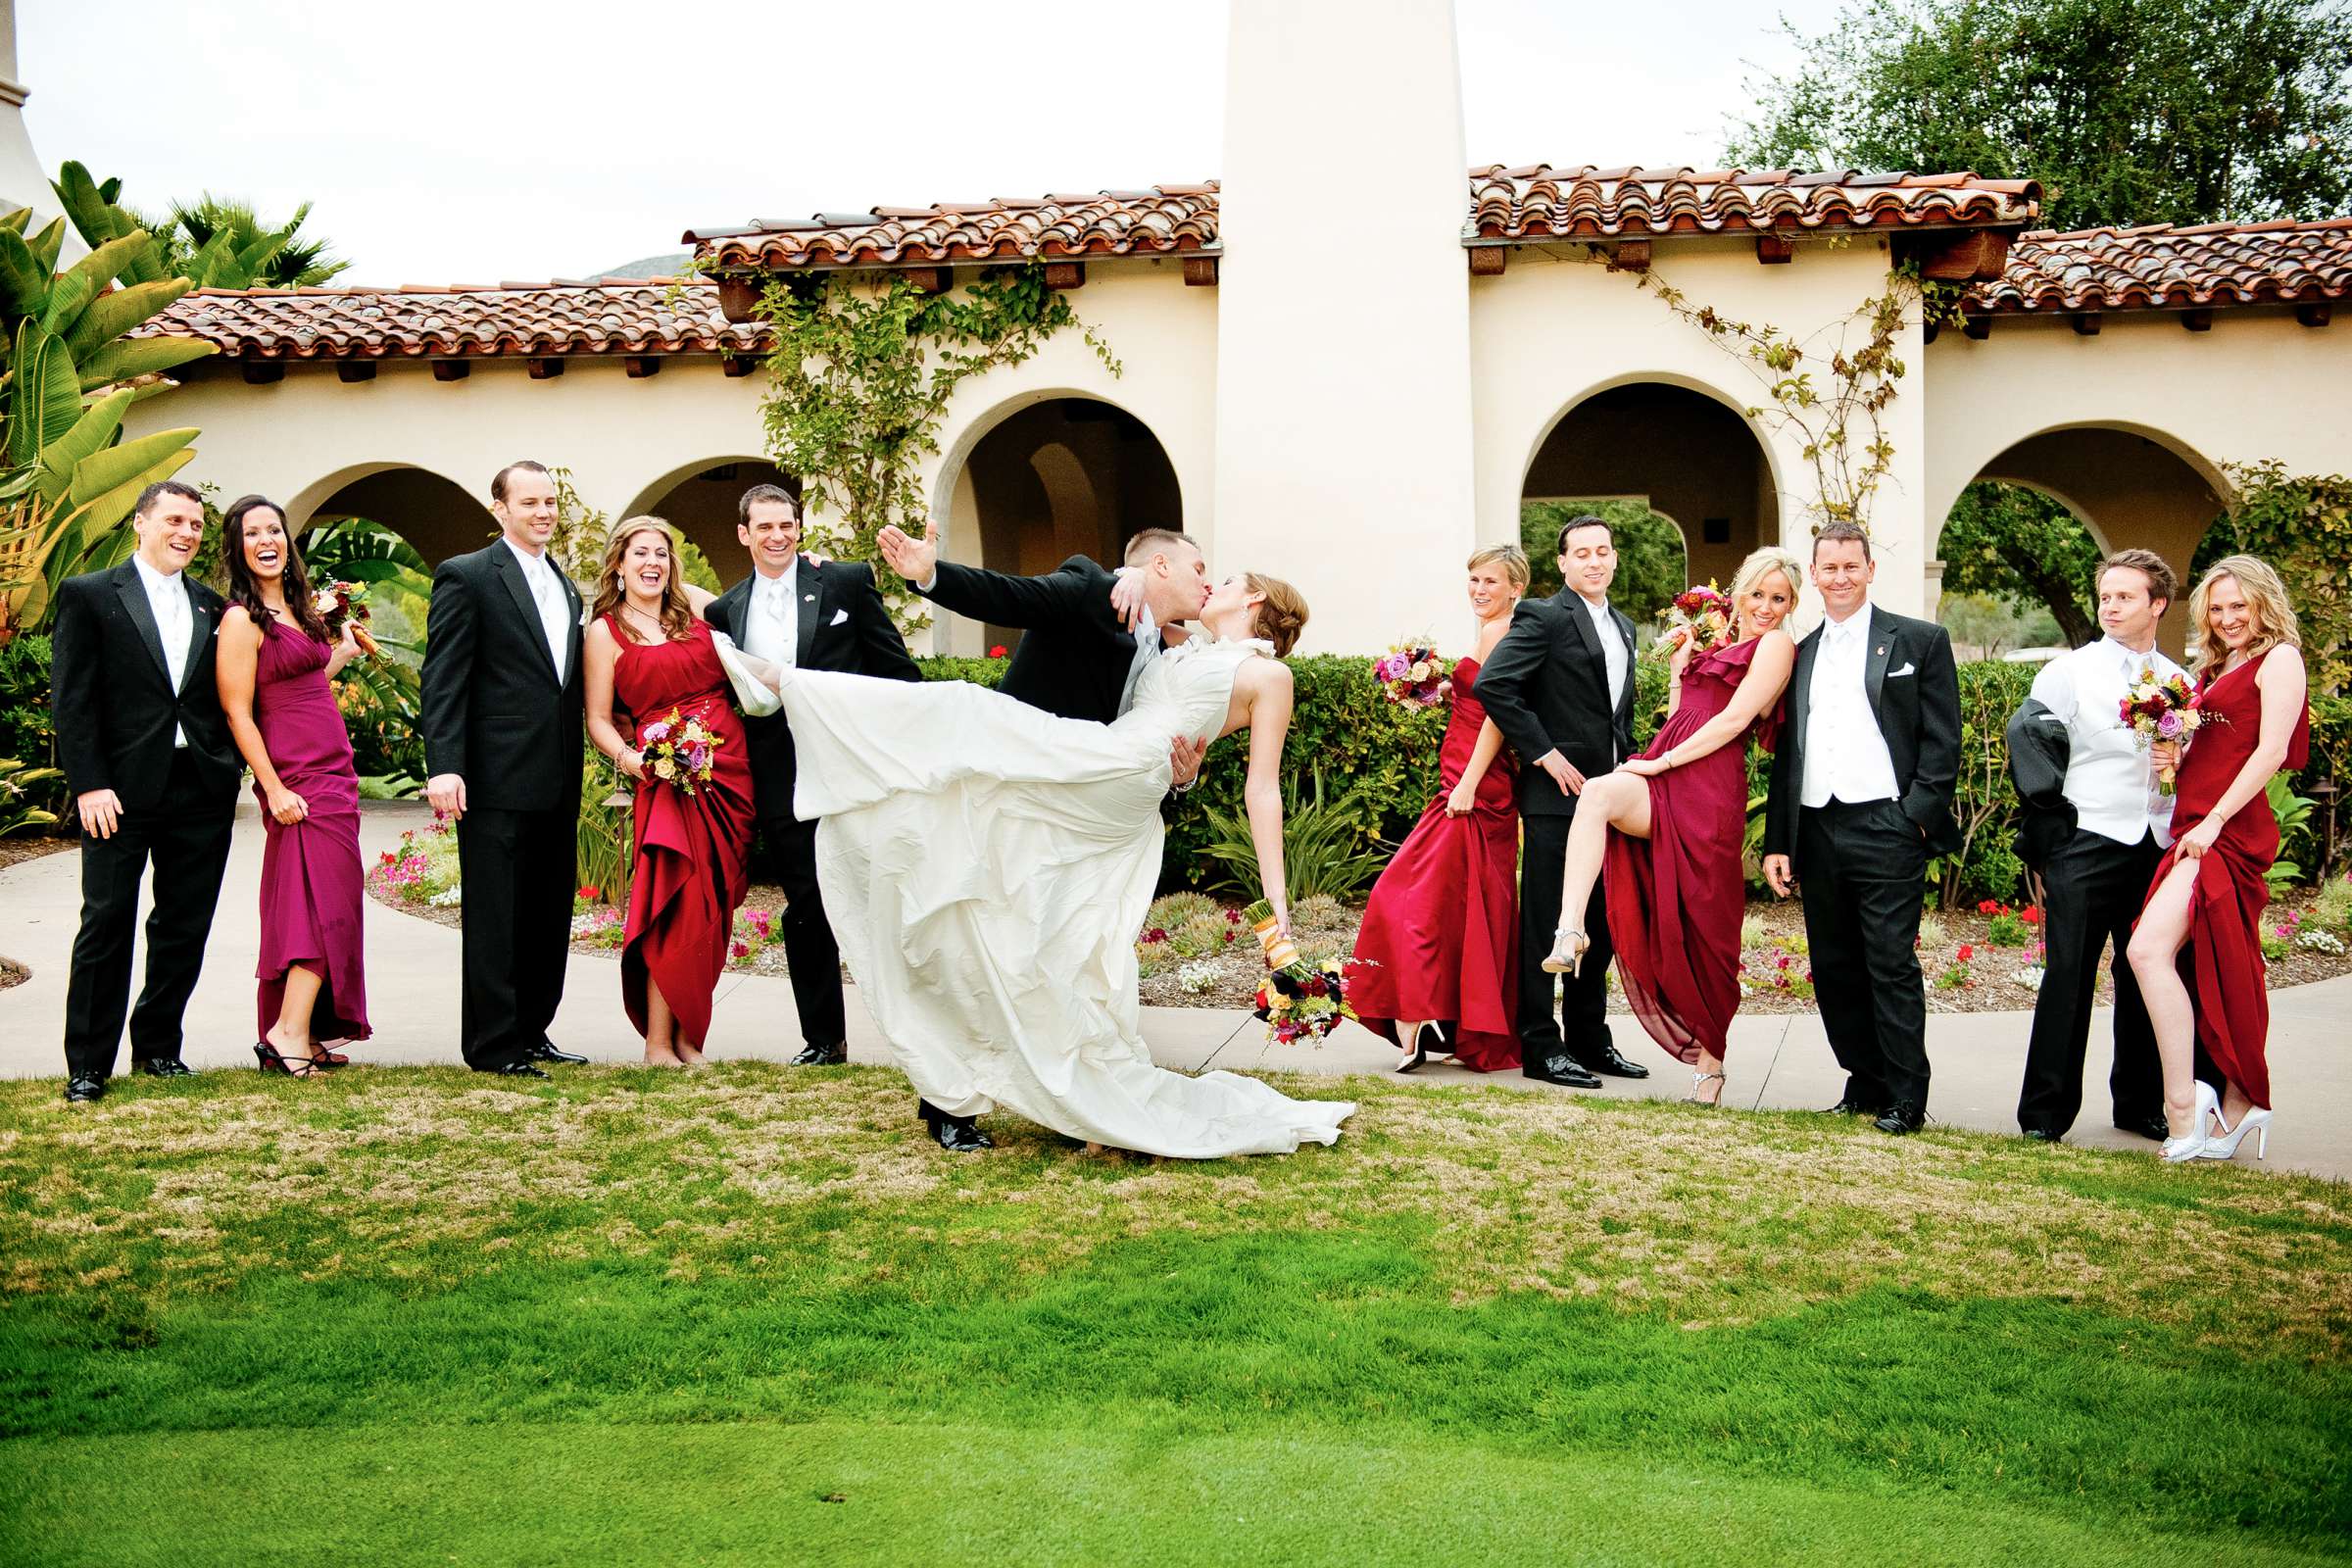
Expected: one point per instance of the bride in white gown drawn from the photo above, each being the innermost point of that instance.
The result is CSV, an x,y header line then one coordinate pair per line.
x,y
987,868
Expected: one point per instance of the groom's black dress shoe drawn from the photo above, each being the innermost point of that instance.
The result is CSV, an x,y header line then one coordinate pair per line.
x,y
514,1069
2153,1127
1850,1106
958,1135
2042,1135
84,1087
1562,1069
1903,1116
832,1055
1605,1060
162,1068
545,1051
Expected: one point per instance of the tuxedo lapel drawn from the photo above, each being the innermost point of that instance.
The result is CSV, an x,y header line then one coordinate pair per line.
x,y
509,570
1800,686
200,630
1880,652
1596,659
133,593
811,607
726,610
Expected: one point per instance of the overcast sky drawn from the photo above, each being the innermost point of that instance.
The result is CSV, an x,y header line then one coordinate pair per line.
x,y
499,139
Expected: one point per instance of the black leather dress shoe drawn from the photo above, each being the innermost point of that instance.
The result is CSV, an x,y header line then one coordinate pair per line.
x,y
1561,1069
545,1051
84,1087
2042,1135
1903,1116
832,1055
958,1135
1850,1106
1605,1058
162,1068
2152,1128
514,1069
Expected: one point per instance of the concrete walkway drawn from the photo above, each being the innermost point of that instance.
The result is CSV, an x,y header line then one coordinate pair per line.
x,y
1775,1061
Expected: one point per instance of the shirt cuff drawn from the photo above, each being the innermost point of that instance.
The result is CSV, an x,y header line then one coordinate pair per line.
x,y
928,583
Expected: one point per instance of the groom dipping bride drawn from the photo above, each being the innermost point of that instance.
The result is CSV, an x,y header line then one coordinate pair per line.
x,y
987,862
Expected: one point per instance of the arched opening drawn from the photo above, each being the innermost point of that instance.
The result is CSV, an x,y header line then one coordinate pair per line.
x,y
2020,545
438,517
1685,459
1066,476
701,501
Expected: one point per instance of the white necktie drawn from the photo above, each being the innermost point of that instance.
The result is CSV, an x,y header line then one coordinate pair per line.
x,y
551,613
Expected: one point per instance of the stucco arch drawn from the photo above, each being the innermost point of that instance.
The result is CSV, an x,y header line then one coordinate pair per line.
x,y
432,512
699,500
956,453
1986,461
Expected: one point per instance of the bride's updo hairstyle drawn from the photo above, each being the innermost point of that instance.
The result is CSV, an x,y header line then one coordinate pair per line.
x,y
1282,616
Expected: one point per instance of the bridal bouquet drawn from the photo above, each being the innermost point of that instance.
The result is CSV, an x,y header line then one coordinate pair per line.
x,y
1297,999
2161,709
338,603
680,750
1701,616
1410,675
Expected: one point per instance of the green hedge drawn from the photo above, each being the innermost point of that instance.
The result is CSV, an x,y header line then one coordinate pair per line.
x,y
1343,726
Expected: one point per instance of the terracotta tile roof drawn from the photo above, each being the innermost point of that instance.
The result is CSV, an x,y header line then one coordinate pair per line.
x,y
619,315
1538,200
1163,220
2159,268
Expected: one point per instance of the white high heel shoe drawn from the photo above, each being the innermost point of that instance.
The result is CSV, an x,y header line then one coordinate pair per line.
x,y
2258,1122
2192,1142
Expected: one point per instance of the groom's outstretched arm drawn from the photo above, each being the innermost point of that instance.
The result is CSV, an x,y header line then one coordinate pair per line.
x,y
1024,602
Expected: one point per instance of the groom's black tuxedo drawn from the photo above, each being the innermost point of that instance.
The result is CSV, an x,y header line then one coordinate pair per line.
x,y
496,714
1864,860
1547,688
840,623
117,717
1075,655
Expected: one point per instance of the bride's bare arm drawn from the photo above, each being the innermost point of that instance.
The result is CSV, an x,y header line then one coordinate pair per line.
x,y
1270,694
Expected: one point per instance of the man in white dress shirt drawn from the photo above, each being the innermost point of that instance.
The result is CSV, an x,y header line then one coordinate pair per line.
x,y
2104,826
154,774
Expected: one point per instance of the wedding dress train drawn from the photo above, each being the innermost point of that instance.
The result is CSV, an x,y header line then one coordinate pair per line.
x,y
987,868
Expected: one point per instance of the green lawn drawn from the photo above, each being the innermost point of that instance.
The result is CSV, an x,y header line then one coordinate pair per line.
x,y
751,1315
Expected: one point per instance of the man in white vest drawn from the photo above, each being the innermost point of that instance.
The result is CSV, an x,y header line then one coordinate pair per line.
x,y
2099,824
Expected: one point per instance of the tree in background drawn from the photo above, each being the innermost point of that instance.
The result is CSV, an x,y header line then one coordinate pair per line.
x,y
2008,543
2128,111
223,243
1651,563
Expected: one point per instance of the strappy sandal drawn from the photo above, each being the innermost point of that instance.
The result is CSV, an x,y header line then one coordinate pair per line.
x,y
273,1060
1698,1081
1568,948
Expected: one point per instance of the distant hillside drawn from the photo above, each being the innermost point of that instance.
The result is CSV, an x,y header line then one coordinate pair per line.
x,y
670,266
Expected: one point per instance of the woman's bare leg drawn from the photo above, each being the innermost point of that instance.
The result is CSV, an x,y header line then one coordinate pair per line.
x,y
1619,801
660,1028
291,1034
2155,948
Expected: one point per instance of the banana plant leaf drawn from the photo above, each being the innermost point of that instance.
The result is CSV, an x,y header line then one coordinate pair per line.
x,y
112,315
44,393
122,361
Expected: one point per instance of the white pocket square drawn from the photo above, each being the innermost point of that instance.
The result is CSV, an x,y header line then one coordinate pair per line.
x,y
1897,674
839,616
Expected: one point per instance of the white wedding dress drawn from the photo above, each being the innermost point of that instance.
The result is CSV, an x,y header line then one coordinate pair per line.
x,y
987,866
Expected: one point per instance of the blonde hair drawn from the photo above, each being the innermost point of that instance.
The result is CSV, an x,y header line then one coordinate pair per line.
x,y
1510,558
677,614
1761,565
2266,596
1282,616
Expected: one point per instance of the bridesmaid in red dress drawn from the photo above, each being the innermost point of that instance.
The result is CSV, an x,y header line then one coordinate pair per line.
x,y
1677,888
276,663
1442,927
2210,892
647,655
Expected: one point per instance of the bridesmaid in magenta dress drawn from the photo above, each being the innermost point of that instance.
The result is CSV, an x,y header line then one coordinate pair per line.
x,y
1677,886
275,663
1441,930
647,655
2210,892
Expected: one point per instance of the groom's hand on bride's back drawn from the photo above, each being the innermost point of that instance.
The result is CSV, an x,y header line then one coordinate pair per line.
x,y
913,558
446,794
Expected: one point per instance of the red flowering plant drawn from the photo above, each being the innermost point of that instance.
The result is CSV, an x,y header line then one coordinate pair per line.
x,y
2006,927
1699,617
1957,975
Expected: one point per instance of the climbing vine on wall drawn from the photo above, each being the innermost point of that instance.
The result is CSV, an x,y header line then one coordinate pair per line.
x,y
858,382
1826,391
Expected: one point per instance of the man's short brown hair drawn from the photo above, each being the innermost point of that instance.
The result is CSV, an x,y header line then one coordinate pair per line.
x,y
1831,532
2162,583
1150,541
766,492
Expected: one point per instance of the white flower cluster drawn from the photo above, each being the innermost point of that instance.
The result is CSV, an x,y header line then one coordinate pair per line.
x,y
1200,976
2030,977
2318,941
446,898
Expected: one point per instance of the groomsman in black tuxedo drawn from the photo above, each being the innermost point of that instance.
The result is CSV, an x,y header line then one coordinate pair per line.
x,y
798,612
1560,687
1861,797
1086,636
501,742
153,776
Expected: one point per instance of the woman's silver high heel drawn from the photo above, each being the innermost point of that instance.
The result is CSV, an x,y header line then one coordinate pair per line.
x,y
2192,1142
2257,1121
1699,1081
1568,948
